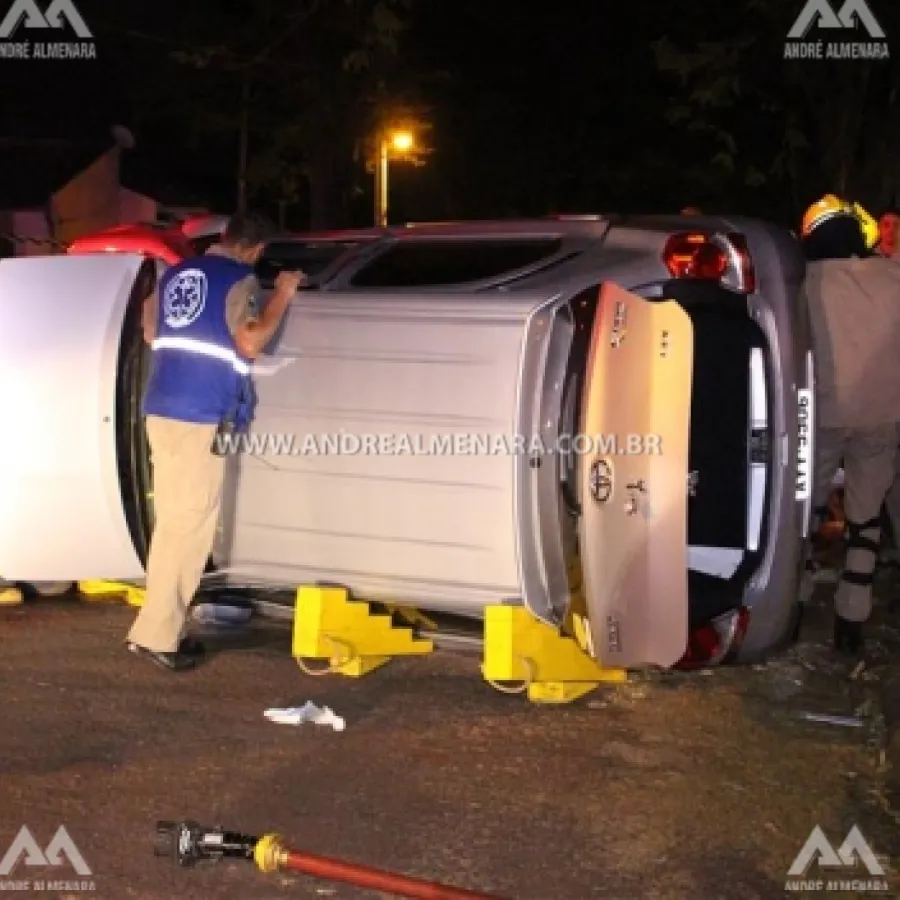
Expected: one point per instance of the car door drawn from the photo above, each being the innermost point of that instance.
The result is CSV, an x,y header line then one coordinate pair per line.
x,y
62,514
633,479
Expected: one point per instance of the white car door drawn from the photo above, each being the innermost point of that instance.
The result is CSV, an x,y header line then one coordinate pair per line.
x,y
633,483
61,509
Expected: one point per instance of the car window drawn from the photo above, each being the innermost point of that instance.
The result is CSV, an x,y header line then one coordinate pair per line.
x,y
424,263
310,257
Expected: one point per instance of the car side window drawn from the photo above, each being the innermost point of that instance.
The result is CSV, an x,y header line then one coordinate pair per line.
x,y
310,257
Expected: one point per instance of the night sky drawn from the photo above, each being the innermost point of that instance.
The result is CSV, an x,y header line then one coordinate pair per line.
x,y
535,108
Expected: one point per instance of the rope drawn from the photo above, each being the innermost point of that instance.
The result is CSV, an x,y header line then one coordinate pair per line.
x,y
334,664
526,683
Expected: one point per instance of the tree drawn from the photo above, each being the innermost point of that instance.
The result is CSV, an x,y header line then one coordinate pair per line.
x,y
777,132
280,91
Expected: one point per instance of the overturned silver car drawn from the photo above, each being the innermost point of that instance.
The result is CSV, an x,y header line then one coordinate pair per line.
x,y
601,416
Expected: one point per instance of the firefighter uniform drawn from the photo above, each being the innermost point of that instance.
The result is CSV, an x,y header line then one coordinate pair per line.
x,y
854,304
199,380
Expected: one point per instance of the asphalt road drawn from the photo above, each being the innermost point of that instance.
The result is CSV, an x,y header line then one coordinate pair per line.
x,y
683,786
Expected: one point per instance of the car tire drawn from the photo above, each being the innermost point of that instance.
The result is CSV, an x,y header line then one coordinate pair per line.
x,y
52,588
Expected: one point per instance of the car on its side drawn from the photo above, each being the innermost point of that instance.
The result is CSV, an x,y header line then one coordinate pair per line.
x,y
692,332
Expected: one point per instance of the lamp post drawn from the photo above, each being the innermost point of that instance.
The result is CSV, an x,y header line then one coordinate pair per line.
x,y
402,142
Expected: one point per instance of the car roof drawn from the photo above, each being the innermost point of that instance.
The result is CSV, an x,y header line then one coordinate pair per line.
x,y
578,225
336,236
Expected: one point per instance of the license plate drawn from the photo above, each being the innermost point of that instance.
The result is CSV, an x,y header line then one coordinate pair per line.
x,y
804,444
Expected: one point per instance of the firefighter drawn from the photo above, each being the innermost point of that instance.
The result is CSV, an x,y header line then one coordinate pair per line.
x,y
888,230
204,328
854,305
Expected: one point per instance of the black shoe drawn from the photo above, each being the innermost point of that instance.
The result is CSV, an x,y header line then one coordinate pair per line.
x,y
848,636
190,646
174,662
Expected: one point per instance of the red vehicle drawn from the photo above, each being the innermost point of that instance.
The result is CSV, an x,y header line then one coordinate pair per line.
x,y
311,252
167,242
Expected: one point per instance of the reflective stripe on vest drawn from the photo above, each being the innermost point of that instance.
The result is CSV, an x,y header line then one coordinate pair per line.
x,y
202,348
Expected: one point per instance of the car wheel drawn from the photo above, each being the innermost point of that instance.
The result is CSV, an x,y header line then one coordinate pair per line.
x,y
52,588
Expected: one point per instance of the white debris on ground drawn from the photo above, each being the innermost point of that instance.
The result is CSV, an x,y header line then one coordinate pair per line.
x,y
221,613
309,712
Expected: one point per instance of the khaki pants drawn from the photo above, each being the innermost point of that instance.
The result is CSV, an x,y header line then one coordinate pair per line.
x,y
187,495
869,455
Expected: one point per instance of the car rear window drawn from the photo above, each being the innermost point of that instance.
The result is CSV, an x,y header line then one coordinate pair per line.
x,y
310,257
423,263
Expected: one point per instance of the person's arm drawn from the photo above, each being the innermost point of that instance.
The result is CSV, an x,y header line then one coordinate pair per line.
x,y
149,316
252,330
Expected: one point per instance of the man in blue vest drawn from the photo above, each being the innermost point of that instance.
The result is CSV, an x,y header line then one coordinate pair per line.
x,y
205,329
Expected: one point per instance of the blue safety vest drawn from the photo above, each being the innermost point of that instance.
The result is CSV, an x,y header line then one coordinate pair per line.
x,y
198,375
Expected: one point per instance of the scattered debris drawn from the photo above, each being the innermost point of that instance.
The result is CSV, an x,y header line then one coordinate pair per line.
x,y
841,721
309,712
224,610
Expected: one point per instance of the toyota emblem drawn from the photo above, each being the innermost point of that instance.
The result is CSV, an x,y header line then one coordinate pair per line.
x,y
601,481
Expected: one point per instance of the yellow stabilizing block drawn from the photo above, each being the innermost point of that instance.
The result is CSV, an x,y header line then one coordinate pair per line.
x,y
355,640
519,647
103,590
11,596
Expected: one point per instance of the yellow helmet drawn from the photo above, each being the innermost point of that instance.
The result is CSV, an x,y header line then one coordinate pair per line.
x,y
821,211
831,206
868,224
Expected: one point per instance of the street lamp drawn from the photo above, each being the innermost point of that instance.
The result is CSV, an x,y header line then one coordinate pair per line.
x,y
401,142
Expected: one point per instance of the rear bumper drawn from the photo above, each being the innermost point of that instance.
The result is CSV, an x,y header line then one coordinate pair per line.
x,y
771,594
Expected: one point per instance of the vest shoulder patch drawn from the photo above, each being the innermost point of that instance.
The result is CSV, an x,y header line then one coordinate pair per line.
x,y
184,298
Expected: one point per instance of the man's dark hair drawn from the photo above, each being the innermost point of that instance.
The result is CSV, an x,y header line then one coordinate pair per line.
x,y
249,230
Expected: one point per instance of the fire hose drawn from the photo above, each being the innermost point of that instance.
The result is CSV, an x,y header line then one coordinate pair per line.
x,y
189,842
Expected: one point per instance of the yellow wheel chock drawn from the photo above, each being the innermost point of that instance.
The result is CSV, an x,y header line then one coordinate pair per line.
x,y
552,667
105,590
10,595
347,634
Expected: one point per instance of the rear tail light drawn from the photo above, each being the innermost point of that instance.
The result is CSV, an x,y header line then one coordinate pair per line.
x,y
721,258
715,642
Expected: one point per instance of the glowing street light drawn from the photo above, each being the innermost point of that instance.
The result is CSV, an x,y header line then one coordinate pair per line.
x,y
401,142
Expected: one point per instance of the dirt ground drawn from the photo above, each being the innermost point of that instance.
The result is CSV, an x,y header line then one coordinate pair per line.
x,y
695,786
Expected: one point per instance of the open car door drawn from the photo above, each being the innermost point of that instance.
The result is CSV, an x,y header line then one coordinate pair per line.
x,y
62,320
634,482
